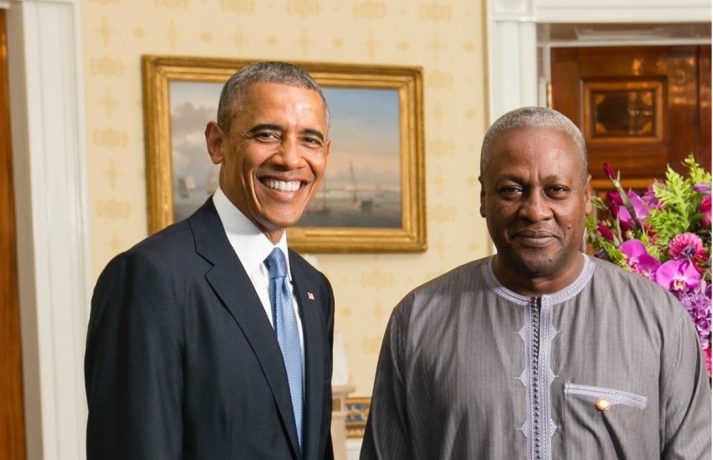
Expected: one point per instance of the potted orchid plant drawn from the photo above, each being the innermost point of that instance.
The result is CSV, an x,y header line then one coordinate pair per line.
x,y
663,234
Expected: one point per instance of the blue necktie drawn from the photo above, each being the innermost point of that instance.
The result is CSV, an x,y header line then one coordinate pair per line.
x,y
285,322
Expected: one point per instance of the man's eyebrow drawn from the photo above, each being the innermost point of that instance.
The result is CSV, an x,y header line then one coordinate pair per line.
x,y
265,127
314,132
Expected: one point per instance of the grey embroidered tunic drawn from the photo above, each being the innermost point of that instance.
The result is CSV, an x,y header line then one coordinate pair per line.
x,y
608,368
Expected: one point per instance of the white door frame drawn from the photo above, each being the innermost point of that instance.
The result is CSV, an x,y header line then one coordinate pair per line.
x,y
49,156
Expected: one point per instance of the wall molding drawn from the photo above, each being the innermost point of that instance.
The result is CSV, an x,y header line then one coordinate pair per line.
x,y
49,155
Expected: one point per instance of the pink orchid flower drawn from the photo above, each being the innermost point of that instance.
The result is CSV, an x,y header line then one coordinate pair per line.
x,y
638,260
677,275
639,205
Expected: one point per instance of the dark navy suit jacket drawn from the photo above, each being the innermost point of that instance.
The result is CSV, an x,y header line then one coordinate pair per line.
x,y
182,362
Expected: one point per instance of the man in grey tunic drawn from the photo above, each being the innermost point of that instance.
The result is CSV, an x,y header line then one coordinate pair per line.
x,y
538,352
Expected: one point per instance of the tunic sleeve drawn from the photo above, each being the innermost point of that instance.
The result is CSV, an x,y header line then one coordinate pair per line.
x,y
685,426
387,431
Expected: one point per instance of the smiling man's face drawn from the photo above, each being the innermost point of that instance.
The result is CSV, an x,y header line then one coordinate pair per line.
x,y
274,155
535,200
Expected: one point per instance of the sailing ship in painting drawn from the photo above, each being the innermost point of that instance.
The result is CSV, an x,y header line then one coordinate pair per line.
x,y
319,203
211,184
357,203
353,203
191,190
186,185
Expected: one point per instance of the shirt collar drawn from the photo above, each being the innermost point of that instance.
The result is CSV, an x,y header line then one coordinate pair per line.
x,y
250,244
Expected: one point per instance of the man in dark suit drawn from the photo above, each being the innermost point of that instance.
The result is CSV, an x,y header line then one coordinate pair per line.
x,y
184,359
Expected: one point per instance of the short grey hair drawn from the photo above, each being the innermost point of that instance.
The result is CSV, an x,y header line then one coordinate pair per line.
x,y
235,89
534,117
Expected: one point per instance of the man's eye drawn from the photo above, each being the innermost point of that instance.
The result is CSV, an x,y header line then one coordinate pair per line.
x,y
312,141
266,135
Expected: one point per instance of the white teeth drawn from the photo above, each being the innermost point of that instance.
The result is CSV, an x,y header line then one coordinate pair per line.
x,y
283,186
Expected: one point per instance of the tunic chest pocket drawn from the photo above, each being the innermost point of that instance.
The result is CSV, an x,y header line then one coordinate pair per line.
x,y
602,422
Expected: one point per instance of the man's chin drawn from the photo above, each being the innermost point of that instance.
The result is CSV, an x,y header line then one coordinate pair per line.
x,y
281,221
534,266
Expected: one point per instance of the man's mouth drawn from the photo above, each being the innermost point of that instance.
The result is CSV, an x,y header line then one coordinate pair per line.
x,y
534,238
283,186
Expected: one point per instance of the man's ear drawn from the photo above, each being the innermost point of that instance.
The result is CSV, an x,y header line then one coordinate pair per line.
x,y
214,137
482,197
327,147
588,195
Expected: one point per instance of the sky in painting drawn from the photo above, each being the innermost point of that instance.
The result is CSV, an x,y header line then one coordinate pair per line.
x,y
364,132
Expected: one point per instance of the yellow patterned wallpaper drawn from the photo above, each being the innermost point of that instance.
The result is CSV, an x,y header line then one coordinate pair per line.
x,y
445,38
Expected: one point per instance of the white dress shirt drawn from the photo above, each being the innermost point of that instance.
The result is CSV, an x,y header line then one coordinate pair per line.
x,y
252,248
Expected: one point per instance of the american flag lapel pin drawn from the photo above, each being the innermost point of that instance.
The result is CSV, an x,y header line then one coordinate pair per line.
x,y
310,296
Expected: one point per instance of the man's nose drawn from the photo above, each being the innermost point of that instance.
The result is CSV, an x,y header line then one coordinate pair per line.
x,y
535,207
290,153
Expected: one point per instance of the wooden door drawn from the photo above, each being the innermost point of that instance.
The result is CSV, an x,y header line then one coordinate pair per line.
x,y
12,428
640,108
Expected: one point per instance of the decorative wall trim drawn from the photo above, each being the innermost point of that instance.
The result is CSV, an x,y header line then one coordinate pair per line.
x,y
357,413
47,119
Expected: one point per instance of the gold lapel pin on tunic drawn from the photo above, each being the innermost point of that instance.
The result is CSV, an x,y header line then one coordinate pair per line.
x,y
602,404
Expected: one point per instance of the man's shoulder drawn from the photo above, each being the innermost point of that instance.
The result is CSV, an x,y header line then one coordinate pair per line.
x,y
635,293
457,281
465,274
169,247
164,240
620,277
181,234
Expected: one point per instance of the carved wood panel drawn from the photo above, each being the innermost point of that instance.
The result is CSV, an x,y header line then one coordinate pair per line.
x,y
639,108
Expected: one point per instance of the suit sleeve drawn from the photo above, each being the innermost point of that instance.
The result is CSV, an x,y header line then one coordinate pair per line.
x,y
387,433
685,395
133,362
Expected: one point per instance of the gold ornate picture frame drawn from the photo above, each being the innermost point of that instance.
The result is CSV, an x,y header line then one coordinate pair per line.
x,y
373,194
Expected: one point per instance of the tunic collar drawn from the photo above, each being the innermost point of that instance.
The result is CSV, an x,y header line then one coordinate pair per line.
x,y
556,297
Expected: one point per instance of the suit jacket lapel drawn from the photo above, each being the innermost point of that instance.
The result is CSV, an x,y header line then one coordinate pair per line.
x,y
234,288
313,333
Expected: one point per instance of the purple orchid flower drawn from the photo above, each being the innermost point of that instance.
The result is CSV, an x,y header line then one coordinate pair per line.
x,y
640,208
677,276
626,222
650,198
638,260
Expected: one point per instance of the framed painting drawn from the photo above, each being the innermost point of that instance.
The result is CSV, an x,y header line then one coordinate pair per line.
x,y
372,197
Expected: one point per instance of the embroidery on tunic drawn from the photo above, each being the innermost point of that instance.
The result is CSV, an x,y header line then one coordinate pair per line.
x,y
538,334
